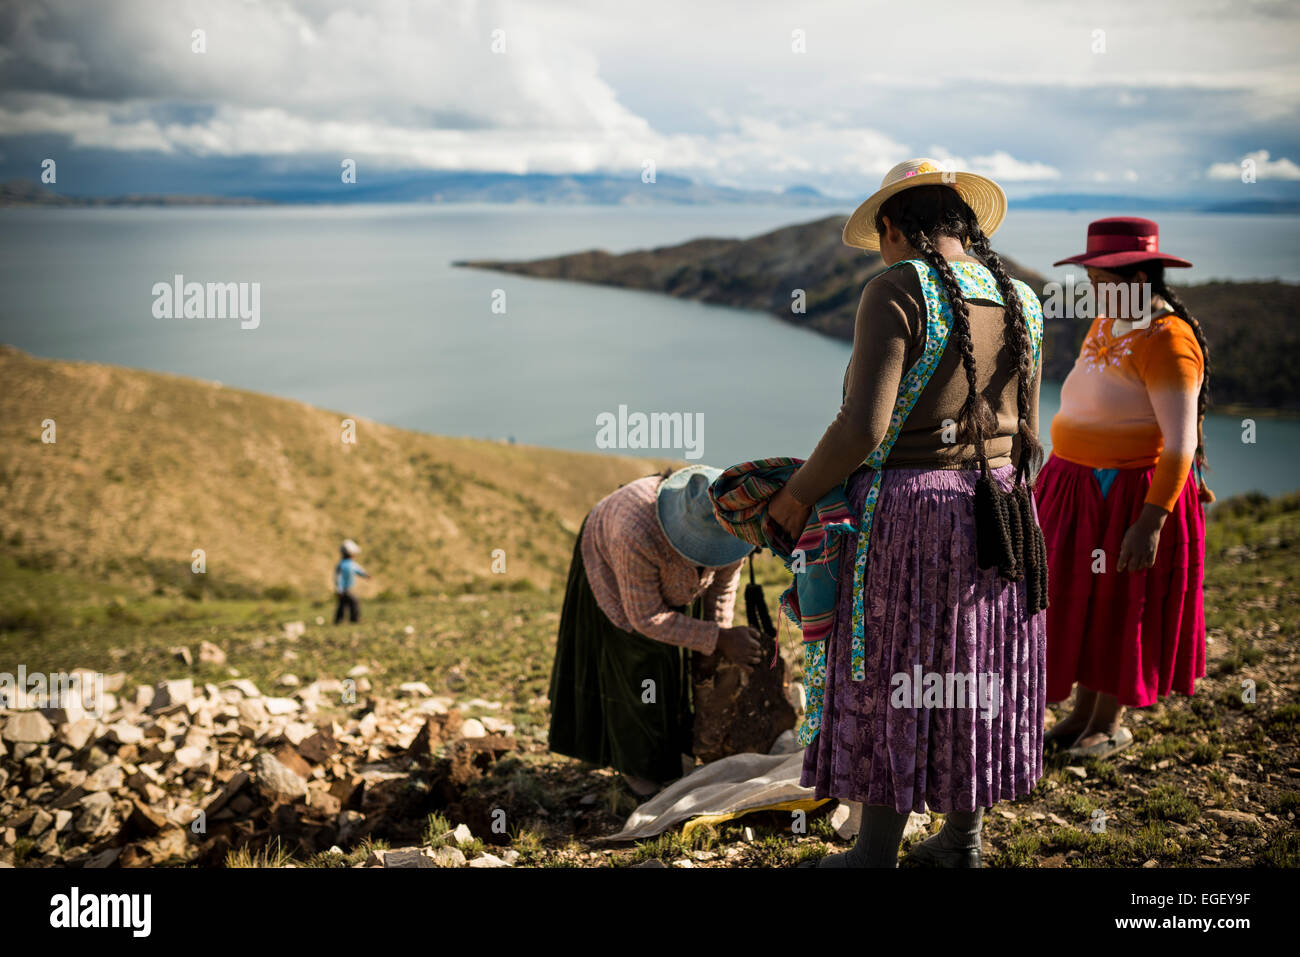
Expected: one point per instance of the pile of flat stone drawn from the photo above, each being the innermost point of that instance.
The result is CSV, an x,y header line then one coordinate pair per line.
x,y
180,772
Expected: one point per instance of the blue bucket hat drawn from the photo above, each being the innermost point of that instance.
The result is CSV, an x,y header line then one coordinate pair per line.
x,y
685,513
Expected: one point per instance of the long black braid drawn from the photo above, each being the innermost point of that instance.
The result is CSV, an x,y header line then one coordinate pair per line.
x,y
1007,533
1155,273
1018,343
923,214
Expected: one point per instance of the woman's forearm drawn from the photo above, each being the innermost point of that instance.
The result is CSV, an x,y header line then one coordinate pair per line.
x,y
880,339
844,446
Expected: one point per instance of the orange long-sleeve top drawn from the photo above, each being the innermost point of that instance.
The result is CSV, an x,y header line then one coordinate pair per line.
x,y
1130,402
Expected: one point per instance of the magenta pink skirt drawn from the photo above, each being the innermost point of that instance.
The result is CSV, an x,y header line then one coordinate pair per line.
x,y
1135,635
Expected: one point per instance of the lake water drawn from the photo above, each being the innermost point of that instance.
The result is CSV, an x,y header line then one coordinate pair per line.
x,y
362,312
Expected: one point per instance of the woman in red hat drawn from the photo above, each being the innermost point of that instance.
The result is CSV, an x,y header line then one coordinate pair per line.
x,y
1121,497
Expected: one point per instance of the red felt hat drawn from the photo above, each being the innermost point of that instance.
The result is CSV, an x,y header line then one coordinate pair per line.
x,y
1121,241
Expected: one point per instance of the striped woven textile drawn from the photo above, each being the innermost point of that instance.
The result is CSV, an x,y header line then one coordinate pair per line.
x,y
741,496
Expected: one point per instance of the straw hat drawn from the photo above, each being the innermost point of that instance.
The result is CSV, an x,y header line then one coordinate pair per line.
x,y
981,194
685,514
350,547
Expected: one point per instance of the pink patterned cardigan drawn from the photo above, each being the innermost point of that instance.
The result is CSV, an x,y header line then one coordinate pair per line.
x,y
637,576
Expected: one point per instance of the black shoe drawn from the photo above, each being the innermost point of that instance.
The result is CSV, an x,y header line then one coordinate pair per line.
x,y
1059,742
929,853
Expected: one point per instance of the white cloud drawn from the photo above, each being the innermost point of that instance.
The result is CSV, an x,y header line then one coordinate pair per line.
x,y
1111,176
708,90
1265,168
415,64
748,150
999,165
85,124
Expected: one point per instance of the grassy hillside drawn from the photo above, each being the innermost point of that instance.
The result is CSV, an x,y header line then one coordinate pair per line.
x,y
94,573
146,468
1248,324
1210,781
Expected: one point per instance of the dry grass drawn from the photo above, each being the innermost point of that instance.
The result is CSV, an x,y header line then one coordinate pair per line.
x,y
148,467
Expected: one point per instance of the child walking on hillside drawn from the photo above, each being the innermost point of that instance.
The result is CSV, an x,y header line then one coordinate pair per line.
x,y
345,573
1121,499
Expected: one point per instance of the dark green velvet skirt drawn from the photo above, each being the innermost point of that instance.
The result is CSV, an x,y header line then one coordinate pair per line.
x,y
602,709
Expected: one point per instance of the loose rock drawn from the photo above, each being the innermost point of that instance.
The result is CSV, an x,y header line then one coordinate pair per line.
x,y
30,727
276,781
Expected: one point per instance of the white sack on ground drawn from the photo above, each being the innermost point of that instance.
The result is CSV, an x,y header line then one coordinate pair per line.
x,y
742,782
726,786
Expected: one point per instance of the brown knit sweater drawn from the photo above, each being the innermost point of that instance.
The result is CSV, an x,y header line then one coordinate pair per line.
x,y
888,339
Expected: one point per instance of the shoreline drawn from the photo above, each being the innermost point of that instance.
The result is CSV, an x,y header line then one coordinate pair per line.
x,y
1230,409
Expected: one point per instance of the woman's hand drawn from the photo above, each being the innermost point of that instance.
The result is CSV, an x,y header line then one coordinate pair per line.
x,y
789,514
1137,552
740,644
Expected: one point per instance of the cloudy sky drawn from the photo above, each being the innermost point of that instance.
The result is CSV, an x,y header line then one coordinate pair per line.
x,y
1163,98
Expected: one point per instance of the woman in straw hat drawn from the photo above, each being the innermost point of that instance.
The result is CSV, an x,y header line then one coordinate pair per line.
x,y
620,686
929,690
1121,497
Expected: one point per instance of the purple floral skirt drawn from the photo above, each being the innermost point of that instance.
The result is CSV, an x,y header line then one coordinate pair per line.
x,y
950,714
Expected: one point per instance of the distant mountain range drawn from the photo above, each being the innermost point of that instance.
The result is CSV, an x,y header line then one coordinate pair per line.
x,y
23,192
577,189
560,189
1253,336
1094,201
